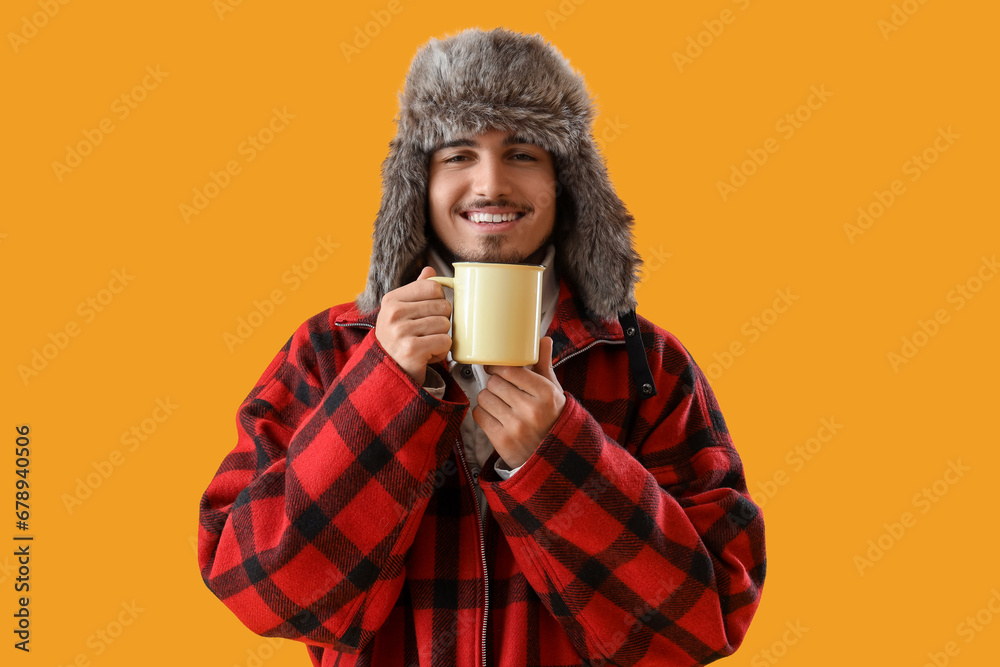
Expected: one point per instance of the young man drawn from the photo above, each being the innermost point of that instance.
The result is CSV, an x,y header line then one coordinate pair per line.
x,y
388,506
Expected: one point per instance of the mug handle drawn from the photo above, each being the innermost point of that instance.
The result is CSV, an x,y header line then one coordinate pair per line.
x,y
443,280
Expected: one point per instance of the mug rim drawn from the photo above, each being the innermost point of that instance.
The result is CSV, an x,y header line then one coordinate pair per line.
x,y
520,266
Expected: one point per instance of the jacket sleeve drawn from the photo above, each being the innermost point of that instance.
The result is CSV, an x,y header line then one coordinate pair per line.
x,y
647,554
304,528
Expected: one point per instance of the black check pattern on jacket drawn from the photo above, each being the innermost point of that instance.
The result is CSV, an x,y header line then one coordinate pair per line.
x,y
345,517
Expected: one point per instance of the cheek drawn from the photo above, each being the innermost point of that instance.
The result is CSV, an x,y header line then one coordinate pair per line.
x,y
543,195
546,205
441,194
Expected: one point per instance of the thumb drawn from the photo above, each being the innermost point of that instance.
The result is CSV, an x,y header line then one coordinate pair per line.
x,y
544,365
426,272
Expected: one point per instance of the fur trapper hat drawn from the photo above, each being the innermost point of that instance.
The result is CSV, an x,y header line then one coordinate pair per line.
x,y
478,81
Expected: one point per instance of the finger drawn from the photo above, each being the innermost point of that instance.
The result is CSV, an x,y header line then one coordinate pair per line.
x,y
439,357
544,365
424,326
439,345
493,404
507,391
420,289
414,301
428,347
414,310
486,421
517,379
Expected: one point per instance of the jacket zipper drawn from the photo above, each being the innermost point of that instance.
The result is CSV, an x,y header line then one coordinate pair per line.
x,y
482,549
584,349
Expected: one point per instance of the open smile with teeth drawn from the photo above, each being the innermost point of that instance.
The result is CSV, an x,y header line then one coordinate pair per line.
x,y
492,217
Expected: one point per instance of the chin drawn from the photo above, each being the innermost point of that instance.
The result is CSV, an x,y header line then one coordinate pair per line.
x,y
500,257
492,250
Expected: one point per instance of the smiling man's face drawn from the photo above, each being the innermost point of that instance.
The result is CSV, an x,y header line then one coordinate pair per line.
x,y
492,198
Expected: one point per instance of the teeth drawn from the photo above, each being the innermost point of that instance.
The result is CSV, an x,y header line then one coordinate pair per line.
x,y
489,217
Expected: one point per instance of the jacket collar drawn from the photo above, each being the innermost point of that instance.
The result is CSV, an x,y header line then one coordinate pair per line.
x,y
572,328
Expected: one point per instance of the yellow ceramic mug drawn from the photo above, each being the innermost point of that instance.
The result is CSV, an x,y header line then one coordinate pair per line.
x,y
496,313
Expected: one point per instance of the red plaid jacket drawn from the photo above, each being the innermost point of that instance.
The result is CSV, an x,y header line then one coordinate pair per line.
x,y
345,516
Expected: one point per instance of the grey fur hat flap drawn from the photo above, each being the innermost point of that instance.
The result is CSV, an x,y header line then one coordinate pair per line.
x,y
481,80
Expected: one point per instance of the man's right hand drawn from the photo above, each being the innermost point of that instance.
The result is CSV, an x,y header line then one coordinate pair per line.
x,y
413,323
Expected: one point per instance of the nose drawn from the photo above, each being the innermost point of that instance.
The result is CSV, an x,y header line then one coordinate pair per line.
x,y
490,178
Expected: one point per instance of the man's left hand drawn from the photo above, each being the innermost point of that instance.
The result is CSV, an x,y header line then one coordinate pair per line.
x,y
519,406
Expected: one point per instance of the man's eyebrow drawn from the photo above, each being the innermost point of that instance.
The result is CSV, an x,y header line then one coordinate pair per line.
x,y
512,139
454,143
509,140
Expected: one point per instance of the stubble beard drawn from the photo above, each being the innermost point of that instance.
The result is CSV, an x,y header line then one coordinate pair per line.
x,y
492,249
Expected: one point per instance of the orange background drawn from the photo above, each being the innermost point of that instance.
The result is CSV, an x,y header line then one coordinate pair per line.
x,y
671,129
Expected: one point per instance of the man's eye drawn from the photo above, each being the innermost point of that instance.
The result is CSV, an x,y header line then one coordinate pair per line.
x,y
455,158
523,157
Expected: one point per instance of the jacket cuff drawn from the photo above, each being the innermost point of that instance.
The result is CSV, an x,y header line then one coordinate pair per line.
x,y
550,455
503,471
433,384
441,394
